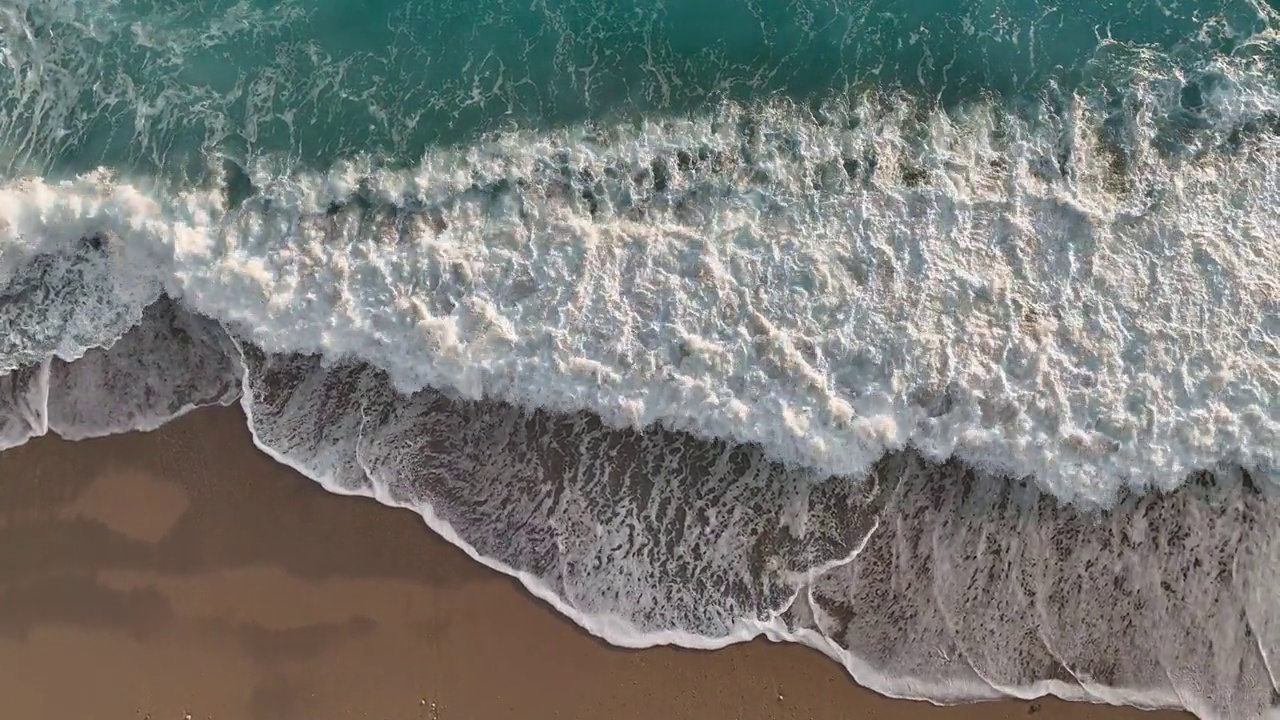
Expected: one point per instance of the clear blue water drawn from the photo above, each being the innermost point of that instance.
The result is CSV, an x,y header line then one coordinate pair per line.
x,y
157,85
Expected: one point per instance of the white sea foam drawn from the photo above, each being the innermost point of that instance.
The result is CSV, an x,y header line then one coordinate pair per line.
x,y
1029,293
169,364
923,581
24,399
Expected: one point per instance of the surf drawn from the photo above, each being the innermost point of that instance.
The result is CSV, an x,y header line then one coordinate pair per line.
x,y
978,286
924,580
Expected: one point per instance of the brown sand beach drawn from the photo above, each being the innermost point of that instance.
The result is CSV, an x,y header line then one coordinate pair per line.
x,y
184,574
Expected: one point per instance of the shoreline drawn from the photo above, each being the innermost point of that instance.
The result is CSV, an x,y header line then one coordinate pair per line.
x,y
183,572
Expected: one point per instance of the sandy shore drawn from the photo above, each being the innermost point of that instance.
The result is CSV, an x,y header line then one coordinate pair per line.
x,y
183,574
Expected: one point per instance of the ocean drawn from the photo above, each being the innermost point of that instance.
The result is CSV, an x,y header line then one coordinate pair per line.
x,y
942,337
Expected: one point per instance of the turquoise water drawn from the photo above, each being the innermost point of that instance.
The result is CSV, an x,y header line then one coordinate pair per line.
x,y
157,86
942,337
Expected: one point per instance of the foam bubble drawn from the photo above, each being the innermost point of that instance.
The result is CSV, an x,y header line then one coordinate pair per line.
x,y
925,581
1016,290
169,364
23,405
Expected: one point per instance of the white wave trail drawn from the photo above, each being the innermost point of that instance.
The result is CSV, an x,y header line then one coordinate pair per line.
x,y
172,362
925,581
1032,295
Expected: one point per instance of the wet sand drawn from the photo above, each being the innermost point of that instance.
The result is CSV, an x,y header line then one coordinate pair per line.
x,y
184,574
